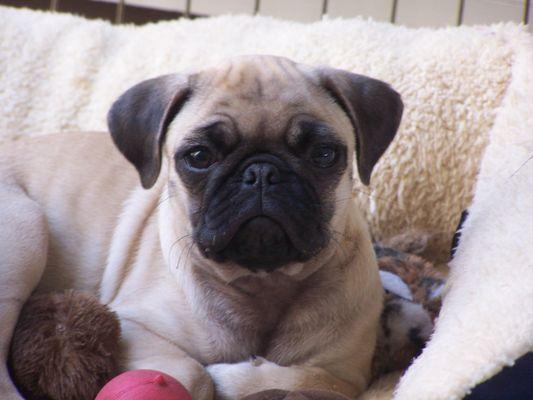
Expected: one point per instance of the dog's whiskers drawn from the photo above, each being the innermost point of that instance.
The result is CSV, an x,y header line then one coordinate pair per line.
x,y
161,201
521,166
175,243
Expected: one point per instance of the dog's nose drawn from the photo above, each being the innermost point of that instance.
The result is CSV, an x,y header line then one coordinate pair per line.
x,y
262,173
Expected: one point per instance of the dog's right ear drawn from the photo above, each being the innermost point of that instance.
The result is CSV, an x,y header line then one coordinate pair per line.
x,y
138,121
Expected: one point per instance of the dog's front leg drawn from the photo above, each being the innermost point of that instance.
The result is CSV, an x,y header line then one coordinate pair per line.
x,y
234,381
144,349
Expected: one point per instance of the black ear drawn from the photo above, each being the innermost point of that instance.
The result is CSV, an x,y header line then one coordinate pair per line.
x,y
374,109
138,121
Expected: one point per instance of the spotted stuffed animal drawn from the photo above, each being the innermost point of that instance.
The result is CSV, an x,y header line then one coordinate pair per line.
x,y
413,288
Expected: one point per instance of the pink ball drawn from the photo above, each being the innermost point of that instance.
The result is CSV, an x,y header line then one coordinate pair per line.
x,y
143,384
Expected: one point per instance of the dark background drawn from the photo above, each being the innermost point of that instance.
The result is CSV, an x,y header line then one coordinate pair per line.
x,y
116,13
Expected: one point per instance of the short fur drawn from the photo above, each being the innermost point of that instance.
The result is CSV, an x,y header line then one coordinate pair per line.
x,y
312,320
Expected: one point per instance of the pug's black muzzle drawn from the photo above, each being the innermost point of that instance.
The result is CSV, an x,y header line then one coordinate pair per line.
x,y
262,217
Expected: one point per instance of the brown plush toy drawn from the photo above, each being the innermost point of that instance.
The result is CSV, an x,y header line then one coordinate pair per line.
x,y
65,347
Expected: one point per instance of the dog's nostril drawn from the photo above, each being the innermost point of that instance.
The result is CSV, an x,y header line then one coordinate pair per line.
x,y
261,173
273,176
249,177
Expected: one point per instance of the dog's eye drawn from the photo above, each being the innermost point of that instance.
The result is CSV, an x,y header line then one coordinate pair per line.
x,y
323,156
200,158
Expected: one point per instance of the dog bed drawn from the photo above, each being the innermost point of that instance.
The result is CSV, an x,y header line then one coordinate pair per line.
x,y
465,141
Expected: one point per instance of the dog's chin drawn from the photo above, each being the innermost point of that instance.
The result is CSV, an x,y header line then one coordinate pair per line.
x,y
261,244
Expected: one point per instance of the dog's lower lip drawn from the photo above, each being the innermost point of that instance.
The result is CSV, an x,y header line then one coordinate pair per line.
x,y
260,243
264,217
214,249
222,240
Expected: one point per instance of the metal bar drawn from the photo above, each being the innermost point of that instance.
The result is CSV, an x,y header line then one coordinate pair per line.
x,y
393,11
188,7
119,13
54,4
257,6
325,4
460,12
527,6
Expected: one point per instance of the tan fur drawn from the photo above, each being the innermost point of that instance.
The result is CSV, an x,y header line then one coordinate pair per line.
x,y
73,216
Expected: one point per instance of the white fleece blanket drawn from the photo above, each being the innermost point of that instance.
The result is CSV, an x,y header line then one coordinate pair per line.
x,y
463,88
486,321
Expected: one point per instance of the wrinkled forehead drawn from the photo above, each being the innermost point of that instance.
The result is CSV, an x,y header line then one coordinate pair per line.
x,y
267,90
261,96
257,77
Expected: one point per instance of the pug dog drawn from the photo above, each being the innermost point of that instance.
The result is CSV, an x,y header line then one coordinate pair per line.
x,y
241,263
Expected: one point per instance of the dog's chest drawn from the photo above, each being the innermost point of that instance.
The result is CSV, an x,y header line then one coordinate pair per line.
x,y
242,320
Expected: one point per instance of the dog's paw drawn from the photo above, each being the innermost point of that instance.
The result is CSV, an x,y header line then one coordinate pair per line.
x,y
234,381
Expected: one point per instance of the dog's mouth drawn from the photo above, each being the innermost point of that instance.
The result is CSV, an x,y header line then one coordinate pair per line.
x,y
262,218
259,244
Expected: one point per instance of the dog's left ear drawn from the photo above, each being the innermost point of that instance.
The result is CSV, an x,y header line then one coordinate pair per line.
x,y
139,119
374,109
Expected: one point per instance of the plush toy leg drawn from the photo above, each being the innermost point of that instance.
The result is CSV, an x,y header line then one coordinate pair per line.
x,y
23,248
